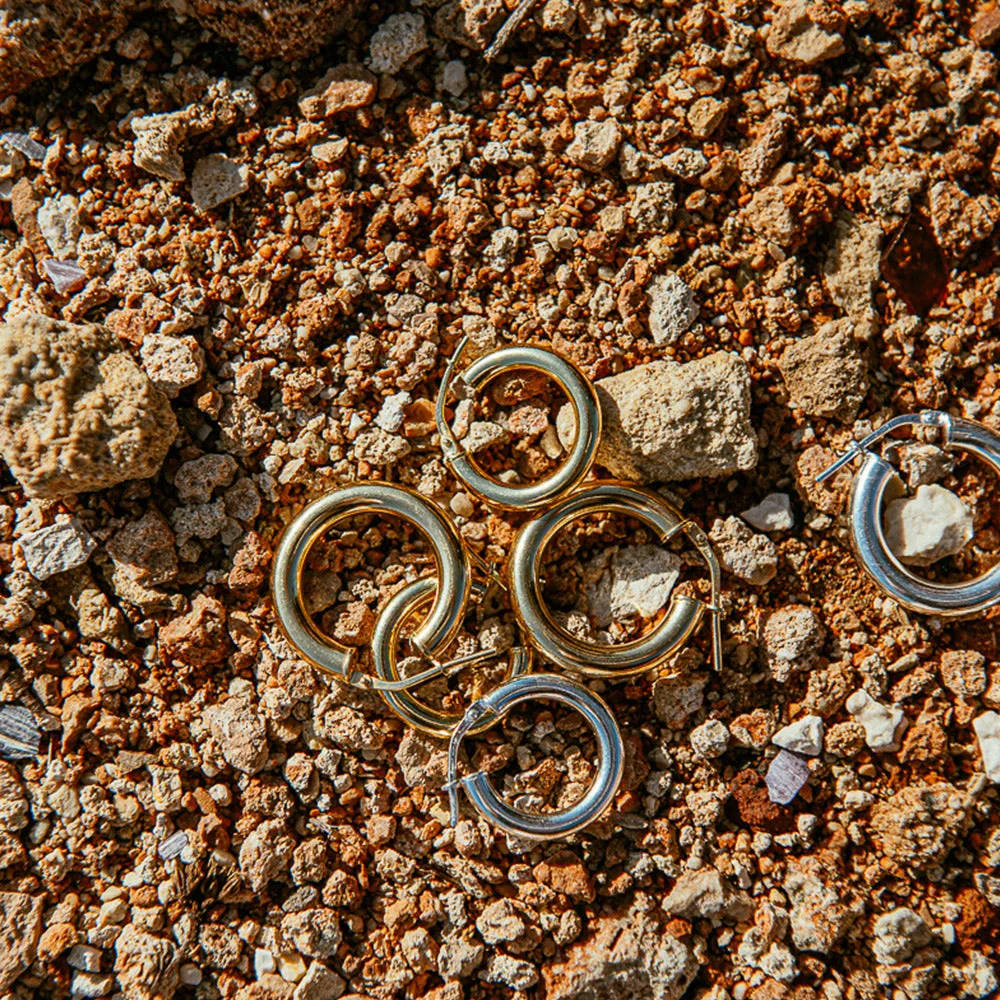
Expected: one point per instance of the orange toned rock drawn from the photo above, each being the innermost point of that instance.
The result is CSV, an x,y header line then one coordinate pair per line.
x,y
55,940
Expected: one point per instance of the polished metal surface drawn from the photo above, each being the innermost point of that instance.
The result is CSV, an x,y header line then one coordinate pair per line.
x,y
877,481
398,692
481,791
590,658
454,577
581,395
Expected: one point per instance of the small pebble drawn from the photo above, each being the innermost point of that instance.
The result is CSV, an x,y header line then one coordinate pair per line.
x,y
786,776
987,727
66,275
57,548
804,736
773,513
884,724
928,526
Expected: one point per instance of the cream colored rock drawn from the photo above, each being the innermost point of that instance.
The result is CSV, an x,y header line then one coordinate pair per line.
x,y
928,526
665,421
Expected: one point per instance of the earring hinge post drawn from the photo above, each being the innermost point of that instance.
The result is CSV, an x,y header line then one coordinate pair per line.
x,y
935,418
451,448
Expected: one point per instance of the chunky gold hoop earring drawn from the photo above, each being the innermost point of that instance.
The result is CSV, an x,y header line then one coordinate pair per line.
x,y
396,691
588,423
639,655
453,583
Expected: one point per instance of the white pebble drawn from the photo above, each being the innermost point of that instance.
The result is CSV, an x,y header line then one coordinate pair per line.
x,y
928,526
263,962
773,513
390,417
57,548
710,739
215,180
987,727
883,724
803,736
672,308
454,79
396,42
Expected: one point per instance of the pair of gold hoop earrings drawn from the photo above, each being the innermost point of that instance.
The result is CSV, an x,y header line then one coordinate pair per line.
x,y
557,500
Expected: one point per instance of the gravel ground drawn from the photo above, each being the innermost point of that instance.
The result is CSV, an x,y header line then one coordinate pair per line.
x,y
230,281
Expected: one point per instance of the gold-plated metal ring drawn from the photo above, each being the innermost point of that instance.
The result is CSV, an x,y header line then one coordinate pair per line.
x,y
398,692
582,397
593,659
453,582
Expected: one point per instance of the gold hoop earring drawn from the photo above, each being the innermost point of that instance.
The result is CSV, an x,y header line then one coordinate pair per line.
x,y
453,583
635,657
397,692
588,423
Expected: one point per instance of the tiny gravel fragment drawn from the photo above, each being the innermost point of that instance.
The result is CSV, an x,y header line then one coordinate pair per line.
x,y
987,727
57,548
34,151
786,776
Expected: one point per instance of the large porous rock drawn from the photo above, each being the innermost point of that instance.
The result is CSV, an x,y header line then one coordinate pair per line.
x,y
920,824
20,926
666,421
40,40
824,374
76,412
273,29
627,955
51,39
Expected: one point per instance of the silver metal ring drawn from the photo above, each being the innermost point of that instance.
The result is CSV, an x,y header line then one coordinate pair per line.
x,y
454,578
874,478
484,797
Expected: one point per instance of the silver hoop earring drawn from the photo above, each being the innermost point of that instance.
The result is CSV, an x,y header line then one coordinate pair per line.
x,y
868,495
484,797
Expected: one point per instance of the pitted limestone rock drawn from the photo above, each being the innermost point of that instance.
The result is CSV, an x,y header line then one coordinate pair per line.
x,y
665,421
76,412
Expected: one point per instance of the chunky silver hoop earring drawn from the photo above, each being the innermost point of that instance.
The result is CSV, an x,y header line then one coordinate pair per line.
x,y
454,578
484,797
588,423
397,692
868,495
595,659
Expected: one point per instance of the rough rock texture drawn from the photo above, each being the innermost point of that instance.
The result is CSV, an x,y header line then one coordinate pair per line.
x,y
50,39
344,88
825,375
672,308
750,556
920,824
624,956
76,412
20,926
666,421
706,894
852,269
146,965
821,911
805,32
793,637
